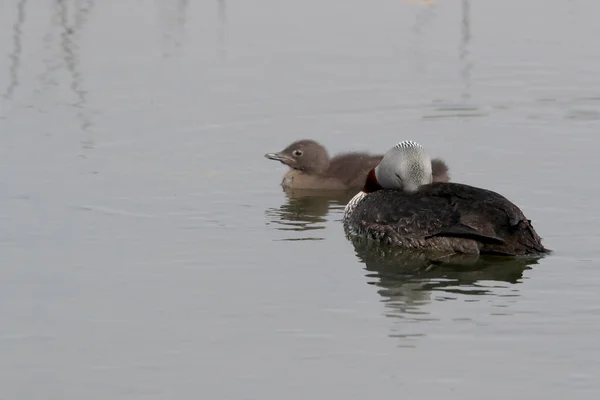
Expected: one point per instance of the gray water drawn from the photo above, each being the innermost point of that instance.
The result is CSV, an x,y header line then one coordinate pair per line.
x,y
148,251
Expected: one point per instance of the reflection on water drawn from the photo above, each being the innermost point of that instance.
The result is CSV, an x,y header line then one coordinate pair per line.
x,y
68,57
464,51
442,108
305,211
52,65
15,55
222,11
423,17
408,280
69,42
583,115
173,14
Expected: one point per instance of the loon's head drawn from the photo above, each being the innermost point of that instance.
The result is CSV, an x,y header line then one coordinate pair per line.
x,y
405,166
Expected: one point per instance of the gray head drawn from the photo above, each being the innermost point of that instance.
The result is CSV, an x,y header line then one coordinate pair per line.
x,y
405,166
304,155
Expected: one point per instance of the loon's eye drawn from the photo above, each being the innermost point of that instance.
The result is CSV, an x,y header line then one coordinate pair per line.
x,y
298,153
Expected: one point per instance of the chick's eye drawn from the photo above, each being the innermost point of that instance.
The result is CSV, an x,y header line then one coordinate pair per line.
x,y
298,153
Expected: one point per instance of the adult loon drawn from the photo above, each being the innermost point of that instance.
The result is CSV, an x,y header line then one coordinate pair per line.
x,y
311,167
399,205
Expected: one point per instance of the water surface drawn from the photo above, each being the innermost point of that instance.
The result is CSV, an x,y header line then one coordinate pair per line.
x,y
147,250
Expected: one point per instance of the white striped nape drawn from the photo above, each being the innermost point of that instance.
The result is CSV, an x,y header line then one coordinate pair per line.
x,y
408,144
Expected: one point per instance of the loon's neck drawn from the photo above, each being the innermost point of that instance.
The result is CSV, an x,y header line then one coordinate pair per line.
x,y
371,183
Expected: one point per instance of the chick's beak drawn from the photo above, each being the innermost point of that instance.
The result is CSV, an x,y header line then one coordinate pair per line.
x,y
284,159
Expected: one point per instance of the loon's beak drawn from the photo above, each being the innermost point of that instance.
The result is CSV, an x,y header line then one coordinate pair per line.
x,y
287,160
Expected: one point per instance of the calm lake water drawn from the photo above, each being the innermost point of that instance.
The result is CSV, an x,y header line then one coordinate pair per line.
x,y
147,250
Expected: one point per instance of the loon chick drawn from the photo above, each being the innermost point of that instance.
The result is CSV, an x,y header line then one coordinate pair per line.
x,y
399,205
311,167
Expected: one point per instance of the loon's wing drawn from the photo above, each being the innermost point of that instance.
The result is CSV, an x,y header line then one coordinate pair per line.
x,y
466,232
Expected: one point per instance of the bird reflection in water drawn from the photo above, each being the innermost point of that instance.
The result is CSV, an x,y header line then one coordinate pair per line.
x,y
306,211
407,280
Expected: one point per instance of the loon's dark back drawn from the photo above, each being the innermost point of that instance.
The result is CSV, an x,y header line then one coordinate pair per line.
x,y
449,217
